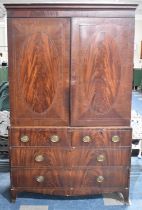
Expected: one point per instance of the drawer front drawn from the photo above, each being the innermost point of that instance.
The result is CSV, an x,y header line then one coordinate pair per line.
x,y
101,137
39,137
75,157
70,137
97,177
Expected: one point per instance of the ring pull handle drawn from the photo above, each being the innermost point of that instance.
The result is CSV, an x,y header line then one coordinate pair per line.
x,y
40,179
100,158
54,138
39,158
100,179
24,138
86,139
115,139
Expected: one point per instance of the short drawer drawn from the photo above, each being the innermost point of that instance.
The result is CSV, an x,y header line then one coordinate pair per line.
x,y
75,157
97,176
101,137
39,137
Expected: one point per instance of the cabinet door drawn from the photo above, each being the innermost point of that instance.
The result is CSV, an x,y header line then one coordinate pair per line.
x,y
39,70
101,76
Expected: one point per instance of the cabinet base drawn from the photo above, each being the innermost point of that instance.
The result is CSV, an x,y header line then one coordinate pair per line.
x,y
13,193
125,194
62,192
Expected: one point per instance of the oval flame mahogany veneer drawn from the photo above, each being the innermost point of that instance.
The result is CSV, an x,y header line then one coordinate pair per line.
x,y
39,71
102,74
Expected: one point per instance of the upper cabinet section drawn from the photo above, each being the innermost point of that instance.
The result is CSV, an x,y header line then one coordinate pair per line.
x,y
39,72
70,64
102,62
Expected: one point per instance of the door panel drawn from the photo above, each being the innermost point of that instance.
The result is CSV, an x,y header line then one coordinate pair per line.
x,y
101,71
39,71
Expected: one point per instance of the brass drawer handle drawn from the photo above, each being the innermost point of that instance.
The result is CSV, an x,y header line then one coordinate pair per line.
x,y
100,158
115,139
24,138
39,158
86,139
40,179
55,138
100,179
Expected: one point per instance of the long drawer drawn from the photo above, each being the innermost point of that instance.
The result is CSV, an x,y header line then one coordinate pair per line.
x,y
97,177
67,137
74,157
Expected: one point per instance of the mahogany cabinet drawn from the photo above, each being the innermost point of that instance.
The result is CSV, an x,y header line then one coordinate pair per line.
x,y
70,74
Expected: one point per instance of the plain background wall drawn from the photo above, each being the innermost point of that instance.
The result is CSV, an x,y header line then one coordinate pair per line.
x,y
138,25
3,38
137,47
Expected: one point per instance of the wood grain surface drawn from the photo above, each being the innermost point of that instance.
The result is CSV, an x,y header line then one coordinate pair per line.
x,y
70,76
70,10
113,177
69,191
73,157
39,136
39,71
101,72
100,137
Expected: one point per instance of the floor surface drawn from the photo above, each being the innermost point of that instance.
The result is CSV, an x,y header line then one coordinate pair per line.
x,y
31,201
